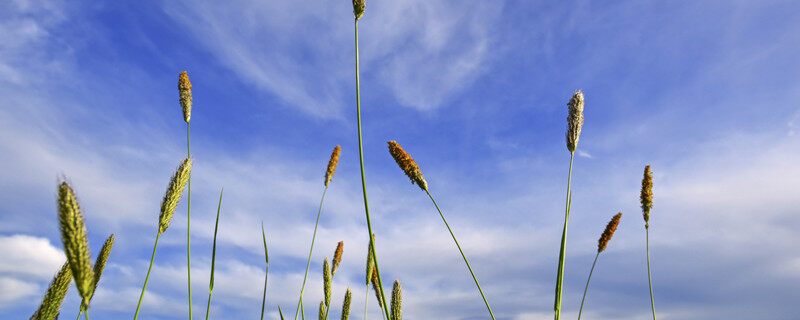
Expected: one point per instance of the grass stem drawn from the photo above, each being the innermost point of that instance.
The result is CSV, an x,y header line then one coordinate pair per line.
x,y
587,285
363,179
189,225
562,254
462,255
310,251
266,255
147,278
649,278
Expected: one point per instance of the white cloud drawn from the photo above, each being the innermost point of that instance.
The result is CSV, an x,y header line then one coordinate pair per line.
x,y
29,256
15,289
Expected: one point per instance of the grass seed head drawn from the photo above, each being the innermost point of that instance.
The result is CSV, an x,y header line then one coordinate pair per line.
x,y
647,195
376,288
100,263
51,303
370,262
337,257
358,8
321,311
73,236
185,91
174,193
332,165
408,164
346,304
397,301
326,281
574,120
611,227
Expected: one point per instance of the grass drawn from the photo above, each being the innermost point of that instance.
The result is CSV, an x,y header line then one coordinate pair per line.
x,y
86,276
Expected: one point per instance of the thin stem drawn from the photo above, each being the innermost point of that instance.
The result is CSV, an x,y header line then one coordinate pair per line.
x,y
189,225
147,278
587,285
86,314
562,254
310,251
266,255
363,179
649,278
214,254
302,310
366,300
462,255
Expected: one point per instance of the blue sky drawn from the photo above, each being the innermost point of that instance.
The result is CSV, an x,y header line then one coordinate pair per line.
x,y
706,92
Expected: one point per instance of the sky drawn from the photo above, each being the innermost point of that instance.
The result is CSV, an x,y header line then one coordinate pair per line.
x,y
706,92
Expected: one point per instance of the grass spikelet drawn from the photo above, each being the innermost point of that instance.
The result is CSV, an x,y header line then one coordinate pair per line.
x,y
332,165
321,310
337,257
407,164
574,120
51,303
358,8
646,196
346,304
326,281
173,194
102,258
370,262
185,91
73,236
376,288
611,227
397,301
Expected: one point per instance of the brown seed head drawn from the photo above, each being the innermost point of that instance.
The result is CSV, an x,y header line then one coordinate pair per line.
x,y
100,263
376,288
408,165
611,227
51,303
185,91
74,239
358,8
174,193
397,301
647,195
332,165
337,257
574,120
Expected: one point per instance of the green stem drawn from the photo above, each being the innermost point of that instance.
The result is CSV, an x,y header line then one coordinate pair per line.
x,y
649,278
587,285
310,251
266,255
462,255
214,254
302,310
366,300
147,278
562,254
189,226
363,179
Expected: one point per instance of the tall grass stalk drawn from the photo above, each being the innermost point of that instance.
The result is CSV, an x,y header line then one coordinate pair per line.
x,y
266,274
310,251
580,311
185,92
646,198
359,10
602,243
214,254
462,255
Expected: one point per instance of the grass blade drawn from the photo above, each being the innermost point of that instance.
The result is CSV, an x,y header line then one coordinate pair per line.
x,y
214,254
266,256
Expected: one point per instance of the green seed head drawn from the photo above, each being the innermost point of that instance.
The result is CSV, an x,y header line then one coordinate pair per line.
x,y
370,262
74,239
646,195
100,263
326,281
397,301
346,304
322,310
51,303
174,193
358,8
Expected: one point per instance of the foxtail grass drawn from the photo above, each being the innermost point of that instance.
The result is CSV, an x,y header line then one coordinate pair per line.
x,y
329,172
185,92
337,257
100,265
574,125
397,304
358,11
214,254
646,198
602,243
412,170
51,303
266,274
75,241
348,296
171,198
